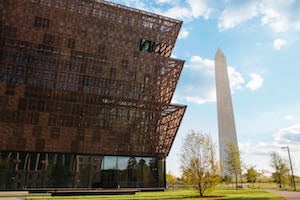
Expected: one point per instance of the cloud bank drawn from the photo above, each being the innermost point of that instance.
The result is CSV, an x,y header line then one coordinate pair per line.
x,y
199,85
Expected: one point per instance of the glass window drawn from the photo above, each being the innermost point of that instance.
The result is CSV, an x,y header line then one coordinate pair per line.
x,y
123,162
144,45
147,46
110,162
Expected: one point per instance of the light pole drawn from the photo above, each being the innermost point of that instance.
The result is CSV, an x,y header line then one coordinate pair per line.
x,y
293,179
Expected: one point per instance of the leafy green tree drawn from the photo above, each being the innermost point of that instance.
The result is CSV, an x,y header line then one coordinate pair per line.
x,y
251,175
170,179
227,179
234,162
198,162
281,174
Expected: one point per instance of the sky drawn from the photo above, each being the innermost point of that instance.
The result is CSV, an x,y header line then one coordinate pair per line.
x,y
260,39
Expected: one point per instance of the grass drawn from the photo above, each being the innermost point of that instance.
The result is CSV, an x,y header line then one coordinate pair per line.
x,y
228,194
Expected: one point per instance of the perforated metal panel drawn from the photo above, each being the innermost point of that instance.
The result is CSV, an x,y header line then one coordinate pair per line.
x,y
87,77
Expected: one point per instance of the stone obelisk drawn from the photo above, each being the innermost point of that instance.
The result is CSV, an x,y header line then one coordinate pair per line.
x,y
226,125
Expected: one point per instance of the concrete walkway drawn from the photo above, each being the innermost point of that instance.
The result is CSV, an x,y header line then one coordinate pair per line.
x,y
17,193
289,195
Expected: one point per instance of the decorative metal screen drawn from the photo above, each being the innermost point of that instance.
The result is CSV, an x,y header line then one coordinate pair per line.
x,y
84,76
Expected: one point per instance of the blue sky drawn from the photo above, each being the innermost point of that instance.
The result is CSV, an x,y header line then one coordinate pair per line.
x,y
260,39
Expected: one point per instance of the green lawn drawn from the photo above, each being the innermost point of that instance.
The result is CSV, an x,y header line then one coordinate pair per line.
x,y
228,194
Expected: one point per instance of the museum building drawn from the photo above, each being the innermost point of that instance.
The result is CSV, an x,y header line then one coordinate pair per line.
x,y
85,94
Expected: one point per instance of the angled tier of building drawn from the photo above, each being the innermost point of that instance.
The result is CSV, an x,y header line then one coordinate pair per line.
x,y
86,88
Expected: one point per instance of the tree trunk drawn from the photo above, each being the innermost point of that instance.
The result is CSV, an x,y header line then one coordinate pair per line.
x,y
236,181
279,179
200,190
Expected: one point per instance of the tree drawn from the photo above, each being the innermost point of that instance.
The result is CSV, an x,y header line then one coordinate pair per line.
x,y
198,162
227,179
170,179
251,175
233,161
281,174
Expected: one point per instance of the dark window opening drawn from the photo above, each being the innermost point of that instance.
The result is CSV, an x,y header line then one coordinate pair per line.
x,y
147,46
41,22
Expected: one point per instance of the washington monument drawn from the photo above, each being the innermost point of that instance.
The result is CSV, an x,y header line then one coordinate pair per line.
x,y
226,125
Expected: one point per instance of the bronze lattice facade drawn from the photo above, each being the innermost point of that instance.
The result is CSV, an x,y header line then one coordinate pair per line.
x,y
87,77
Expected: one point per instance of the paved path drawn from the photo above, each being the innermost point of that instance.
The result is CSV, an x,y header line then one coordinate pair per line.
x,y
289,195
3,193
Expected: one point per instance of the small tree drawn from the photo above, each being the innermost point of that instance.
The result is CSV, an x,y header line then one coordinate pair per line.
x,y
281,174
170,179
233,161
251,175
227,179
198,162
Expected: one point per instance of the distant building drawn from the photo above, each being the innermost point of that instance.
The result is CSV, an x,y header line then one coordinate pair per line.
x,y
226,125
85,92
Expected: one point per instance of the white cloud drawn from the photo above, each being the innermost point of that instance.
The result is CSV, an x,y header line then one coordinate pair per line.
x,y
191,9
261,148
177,13
279,15
200,64
199,85
199,8
236,79
183,34
255,82
278,43
276,14
289,137
237,14
289,117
